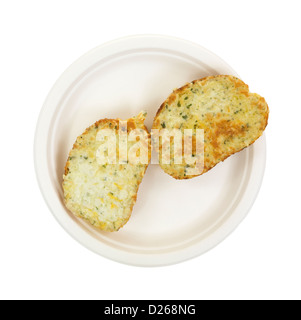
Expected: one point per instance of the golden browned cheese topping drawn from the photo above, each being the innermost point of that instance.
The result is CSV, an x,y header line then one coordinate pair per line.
x,y
232,118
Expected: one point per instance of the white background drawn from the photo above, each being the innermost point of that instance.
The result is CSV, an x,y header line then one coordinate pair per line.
x,y
259,39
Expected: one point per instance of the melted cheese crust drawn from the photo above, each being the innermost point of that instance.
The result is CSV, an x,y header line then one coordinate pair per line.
x,y
231,116
104,194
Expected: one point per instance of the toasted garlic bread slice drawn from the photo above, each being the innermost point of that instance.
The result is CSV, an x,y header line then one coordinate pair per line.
x,y
101,191
232,119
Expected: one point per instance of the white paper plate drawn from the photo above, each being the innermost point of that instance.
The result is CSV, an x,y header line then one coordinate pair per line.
x,y
172,220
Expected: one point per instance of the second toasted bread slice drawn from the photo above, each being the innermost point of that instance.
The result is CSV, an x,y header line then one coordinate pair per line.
x,y
232,119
